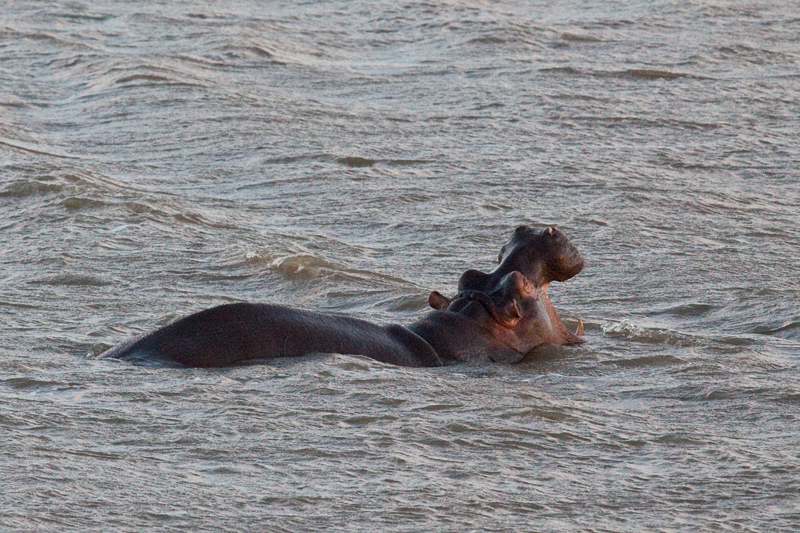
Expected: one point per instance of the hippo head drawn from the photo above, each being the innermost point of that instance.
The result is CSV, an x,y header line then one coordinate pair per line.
x,y
541,256
558,257
510,304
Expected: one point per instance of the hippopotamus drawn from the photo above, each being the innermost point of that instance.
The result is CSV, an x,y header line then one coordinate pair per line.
x,y
540,257
496,317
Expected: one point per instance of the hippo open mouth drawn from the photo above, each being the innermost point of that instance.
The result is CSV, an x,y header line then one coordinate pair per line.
x,y
514,295
514,300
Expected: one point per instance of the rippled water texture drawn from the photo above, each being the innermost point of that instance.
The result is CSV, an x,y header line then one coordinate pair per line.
x,y
157,158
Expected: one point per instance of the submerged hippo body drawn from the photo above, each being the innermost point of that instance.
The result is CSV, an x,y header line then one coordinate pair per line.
x,y
499,317
230,334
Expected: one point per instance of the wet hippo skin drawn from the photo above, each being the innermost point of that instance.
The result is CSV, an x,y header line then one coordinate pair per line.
x,y
499,316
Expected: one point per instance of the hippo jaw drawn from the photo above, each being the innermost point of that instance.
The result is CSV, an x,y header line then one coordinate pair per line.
x,y
541,256
529,315
514,313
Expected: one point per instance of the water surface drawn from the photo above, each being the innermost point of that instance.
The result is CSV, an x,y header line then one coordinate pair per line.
x,y
350,157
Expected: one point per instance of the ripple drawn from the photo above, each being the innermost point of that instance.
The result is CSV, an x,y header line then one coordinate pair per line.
x,y
302,266
350,156
647,361
356,162
36,149
67,279
31,187
689,310
655,74
579,38
629,330
787,330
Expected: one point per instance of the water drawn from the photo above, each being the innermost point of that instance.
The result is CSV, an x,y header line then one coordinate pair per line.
x,y
159,158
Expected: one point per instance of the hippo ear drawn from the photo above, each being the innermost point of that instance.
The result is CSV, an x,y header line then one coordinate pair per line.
x,y
438,301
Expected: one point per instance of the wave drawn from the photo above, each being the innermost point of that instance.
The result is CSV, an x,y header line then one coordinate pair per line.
x,y
629,330
787,330
350,161
123,75
33,384
71,183
299,267
36,149
574,37
307,265
72,279
647,361
637,73
30,187
769,351
86,190
650,74
356,162
636,120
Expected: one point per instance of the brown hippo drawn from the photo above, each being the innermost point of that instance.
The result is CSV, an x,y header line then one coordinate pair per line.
x,y
541,257
499,317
